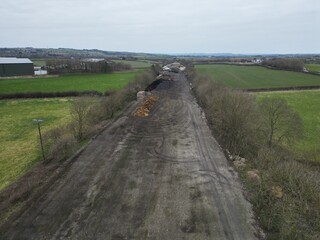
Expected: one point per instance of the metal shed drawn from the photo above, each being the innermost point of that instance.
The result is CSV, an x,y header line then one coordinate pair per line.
x,y
16,67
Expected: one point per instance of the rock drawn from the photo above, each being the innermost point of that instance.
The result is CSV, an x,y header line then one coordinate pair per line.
x,y
253,175
277,191
229,155
239,162
141,95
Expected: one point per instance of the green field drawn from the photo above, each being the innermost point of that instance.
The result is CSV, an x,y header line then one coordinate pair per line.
x,y
307,104
39,62
136,64
19,141
249,77
73,82
313,67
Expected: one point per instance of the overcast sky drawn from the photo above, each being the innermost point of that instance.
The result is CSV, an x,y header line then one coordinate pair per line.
x,y
166,26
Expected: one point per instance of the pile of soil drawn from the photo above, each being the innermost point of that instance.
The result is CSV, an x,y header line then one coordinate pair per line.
x,y
144,109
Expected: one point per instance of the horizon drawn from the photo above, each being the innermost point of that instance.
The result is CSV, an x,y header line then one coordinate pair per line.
x,y
164,53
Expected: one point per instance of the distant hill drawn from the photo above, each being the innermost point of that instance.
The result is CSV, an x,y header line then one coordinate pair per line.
x,y
46,53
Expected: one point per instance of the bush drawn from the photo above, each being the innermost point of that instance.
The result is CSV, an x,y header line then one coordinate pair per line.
x,y
296,215
60,143
63,147
231,114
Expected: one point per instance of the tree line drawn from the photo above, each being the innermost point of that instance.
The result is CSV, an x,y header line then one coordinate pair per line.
x,y
61,66
285,64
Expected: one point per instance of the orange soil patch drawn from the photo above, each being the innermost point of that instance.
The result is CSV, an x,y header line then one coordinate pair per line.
x,y
144,109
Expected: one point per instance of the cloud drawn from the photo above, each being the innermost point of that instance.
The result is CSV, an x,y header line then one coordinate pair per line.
x,y
241,26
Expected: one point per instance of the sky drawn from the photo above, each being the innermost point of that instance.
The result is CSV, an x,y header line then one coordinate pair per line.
x,y
166,26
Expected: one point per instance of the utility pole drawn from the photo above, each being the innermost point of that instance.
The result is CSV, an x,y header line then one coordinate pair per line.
x,y
38,121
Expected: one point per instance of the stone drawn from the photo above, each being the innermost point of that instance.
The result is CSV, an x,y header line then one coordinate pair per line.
x,y
141,95
239,162
253,175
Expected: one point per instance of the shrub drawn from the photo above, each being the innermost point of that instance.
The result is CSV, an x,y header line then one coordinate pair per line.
x,y
63,147
231,114
60,143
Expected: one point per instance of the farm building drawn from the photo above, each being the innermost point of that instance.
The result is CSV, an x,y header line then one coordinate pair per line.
x,y
16,67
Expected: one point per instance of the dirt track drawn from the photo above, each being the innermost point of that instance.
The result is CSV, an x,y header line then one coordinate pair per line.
x,y
159,177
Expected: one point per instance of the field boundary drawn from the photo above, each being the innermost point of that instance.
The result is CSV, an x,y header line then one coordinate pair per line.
x,y
30,77
281,89
49,94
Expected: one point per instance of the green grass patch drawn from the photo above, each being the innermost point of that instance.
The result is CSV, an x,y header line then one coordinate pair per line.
x,y
72,82
250,77
19,142
136,64
307,104
313,67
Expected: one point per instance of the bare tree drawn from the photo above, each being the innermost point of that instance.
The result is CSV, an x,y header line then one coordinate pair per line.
x,y
280,123
79,111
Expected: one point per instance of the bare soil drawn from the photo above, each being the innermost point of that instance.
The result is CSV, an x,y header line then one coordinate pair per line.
x,y
159,177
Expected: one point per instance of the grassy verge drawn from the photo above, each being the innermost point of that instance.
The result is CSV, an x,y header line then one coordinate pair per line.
x,y
250,77
72,82
19,135
306,103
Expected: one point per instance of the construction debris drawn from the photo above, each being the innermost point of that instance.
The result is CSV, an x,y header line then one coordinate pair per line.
x,y
174,67
144,109
165,76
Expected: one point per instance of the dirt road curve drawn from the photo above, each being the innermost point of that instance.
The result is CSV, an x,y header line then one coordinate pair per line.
x,y
160,177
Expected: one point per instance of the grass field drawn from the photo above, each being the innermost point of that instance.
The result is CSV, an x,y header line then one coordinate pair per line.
x,y
249,77
19,141
136,64
307,104
39,62
73,82
313,67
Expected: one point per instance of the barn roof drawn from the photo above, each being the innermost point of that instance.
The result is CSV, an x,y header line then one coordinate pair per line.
x,y
14,60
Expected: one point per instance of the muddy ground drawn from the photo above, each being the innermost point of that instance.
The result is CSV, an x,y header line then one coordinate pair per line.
x,y
159,177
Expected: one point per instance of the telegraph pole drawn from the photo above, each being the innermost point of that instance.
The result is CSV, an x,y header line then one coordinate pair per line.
x,y
38,121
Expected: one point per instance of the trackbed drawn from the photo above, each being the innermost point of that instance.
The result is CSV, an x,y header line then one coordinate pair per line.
x,y
159,177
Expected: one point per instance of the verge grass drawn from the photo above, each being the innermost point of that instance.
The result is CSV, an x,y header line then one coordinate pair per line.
x,y
250,77
72,82
19,142
307,104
